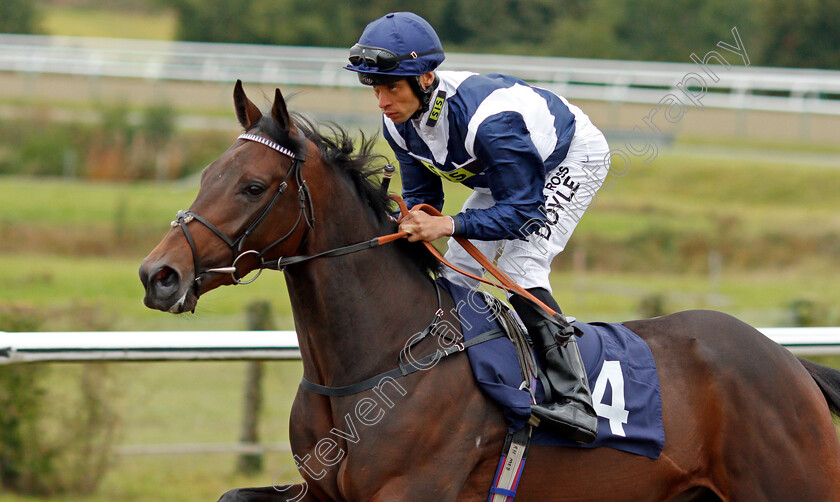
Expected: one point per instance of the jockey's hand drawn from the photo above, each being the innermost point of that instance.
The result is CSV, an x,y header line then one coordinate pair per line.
x,y
422,226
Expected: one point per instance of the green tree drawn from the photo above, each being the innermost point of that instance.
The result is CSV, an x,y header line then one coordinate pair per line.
x,y
452,23
803,34
653,30
586,30
318,23
473,24
774,32
18,16
214,20
516,26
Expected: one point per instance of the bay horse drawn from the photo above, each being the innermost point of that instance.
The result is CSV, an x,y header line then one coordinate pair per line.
x,y
744,419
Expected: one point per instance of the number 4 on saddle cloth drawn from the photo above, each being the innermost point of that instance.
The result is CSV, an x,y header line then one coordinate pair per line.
x,y
619,365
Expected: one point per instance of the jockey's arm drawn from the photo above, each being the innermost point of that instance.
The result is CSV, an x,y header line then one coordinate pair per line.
x,y
419,185
425,227
516,177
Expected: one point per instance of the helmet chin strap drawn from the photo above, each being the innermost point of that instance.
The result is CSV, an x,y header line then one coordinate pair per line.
x,y
425,95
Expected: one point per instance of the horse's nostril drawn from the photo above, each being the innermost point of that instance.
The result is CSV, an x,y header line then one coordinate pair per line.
x,y
164,282
166,277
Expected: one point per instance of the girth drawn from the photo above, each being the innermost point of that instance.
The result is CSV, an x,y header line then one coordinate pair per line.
x,y
402,370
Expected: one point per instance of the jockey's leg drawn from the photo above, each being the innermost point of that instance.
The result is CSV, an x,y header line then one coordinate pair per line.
x,y
569,191
570,405
456,254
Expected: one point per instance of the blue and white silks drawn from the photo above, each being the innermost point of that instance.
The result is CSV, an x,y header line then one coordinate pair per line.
x,y
492,132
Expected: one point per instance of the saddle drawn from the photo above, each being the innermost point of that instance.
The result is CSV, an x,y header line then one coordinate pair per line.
x,y
619,365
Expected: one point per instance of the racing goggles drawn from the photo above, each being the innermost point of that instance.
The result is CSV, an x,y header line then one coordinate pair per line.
x,y
382,59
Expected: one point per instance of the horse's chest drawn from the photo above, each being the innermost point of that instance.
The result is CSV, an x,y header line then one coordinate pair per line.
x,y
353,438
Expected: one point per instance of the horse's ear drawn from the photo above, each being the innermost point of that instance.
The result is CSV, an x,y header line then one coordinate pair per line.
x,y
279,112
246,111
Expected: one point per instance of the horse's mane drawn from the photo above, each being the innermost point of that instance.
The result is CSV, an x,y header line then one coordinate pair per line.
x,y
338,149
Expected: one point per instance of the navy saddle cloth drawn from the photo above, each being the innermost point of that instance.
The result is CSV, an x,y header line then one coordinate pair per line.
x,y
620,367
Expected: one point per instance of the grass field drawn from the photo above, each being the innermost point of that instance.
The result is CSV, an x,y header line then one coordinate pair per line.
x,y
175,403
67,242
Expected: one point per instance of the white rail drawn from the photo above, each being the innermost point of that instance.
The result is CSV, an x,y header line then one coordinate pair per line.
x,y
738,87
263,345
69,346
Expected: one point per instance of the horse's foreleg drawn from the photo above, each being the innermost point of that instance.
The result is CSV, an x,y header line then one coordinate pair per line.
x,y
281,493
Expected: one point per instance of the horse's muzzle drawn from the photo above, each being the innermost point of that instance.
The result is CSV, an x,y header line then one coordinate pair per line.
x,y
166,289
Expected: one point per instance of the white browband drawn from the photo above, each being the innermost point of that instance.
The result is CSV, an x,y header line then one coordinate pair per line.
x,y
268,143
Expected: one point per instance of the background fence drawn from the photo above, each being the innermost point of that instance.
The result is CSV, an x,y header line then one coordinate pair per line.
x,y
744,88
256,345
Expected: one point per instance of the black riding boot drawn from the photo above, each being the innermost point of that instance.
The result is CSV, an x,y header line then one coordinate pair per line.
x,y
570,408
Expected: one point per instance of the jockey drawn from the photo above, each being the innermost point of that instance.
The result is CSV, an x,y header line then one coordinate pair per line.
x,y
533,160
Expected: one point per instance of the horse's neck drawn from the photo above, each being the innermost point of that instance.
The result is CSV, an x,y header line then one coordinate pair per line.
x,y
351,321
355,312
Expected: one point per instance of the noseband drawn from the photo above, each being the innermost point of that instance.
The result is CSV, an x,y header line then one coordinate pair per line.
x,y
305,214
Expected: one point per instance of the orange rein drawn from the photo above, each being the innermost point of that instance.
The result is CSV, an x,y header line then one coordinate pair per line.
x,y
505,282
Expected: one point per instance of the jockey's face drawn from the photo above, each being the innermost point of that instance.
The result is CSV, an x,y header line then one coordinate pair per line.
x,y
398,101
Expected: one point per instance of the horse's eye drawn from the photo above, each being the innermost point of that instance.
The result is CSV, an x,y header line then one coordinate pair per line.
x,y
255,190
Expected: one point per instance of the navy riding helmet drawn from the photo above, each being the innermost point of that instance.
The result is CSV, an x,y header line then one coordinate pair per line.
x,y
396,46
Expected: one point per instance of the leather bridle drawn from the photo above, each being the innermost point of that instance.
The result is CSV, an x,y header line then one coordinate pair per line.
x,y
305,214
